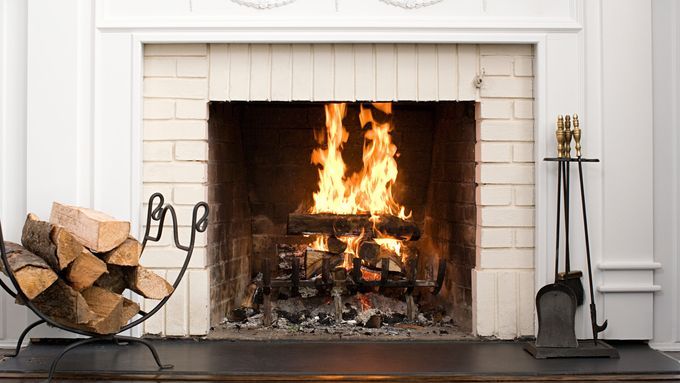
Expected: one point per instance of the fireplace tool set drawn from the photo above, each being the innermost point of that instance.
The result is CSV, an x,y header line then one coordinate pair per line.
x,y
329,280
556,303
156,212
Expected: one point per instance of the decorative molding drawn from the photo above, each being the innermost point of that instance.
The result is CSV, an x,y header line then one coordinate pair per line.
x,y
614,265
411,4
620,288
264,4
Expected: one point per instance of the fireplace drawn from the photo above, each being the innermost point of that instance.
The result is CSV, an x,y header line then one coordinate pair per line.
x,y
259,172
234,124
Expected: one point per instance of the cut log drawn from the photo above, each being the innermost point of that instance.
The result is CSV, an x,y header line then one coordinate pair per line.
x,y
147,283
35,237
32,273
352,225
96,230
336,245
126,254
130,309
314,261
395,263
114,280
68,247
369,251
64,304
85,270
107,306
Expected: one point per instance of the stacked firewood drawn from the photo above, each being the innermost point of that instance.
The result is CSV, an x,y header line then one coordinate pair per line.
x,y
75,267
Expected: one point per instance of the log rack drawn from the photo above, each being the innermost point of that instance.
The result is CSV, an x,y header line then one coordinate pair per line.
x,y
156,212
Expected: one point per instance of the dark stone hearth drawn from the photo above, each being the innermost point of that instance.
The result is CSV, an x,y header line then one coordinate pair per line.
x,y
313,361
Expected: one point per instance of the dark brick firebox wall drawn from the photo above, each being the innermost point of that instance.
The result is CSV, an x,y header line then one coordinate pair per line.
x,y
266,158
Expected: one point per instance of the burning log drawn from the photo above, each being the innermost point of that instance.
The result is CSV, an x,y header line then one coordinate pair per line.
x,y
352,225
335,245
372,254
369,252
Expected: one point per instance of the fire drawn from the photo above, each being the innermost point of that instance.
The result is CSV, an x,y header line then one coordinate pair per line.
x,y
368,191
365,302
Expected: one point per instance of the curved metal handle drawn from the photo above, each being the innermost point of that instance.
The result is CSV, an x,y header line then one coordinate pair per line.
x,y
157,212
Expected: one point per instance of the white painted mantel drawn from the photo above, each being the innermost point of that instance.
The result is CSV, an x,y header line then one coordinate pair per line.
x,y
71,75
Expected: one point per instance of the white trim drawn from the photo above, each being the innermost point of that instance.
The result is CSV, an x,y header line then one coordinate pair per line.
x,y
628,288
622,265
303,35
359,25
665,346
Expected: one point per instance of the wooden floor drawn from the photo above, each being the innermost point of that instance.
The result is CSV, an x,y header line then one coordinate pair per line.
x,y
342,361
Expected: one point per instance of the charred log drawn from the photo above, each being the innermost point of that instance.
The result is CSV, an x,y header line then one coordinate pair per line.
x,y
352,225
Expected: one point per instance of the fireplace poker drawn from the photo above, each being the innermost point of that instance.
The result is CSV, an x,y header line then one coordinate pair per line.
x,y
593,308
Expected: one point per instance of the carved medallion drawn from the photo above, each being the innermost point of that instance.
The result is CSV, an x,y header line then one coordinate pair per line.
x,y
411,4
263,4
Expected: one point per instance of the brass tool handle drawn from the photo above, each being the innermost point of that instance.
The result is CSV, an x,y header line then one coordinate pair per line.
x,y
559,134
567,136
577,136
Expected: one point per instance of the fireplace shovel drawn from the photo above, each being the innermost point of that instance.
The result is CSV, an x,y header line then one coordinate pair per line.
x,y
556,302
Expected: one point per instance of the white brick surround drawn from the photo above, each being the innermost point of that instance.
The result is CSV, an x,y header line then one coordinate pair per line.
x,y
180,79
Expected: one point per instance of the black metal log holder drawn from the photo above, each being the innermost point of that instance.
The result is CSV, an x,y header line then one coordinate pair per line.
x,y
353,283
156,212
589,348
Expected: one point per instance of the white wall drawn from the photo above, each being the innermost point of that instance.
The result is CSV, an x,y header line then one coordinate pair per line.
x,y
79,97
666,32
12,143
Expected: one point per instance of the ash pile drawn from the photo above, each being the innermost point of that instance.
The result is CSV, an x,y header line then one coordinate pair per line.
x,y
362,315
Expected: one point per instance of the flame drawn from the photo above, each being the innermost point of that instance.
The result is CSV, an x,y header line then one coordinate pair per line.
x,y
370,275
364,301
320,243
352,250
333,191
368,191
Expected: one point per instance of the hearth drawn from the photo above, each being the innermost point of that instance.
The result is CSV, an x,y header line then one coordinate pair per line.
x,y
343,214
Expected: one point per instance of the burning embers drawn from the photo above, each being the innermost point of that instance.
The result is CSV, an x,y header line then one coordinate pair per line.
x,y
363,238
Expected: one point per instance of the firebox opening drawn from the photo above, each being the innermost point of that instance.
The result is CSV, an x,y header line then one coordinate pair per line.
x,y
259,172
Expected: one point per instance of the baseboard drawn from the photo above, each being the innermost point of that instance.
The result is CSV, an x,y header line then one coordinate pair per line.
x,y
11,343
665,346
